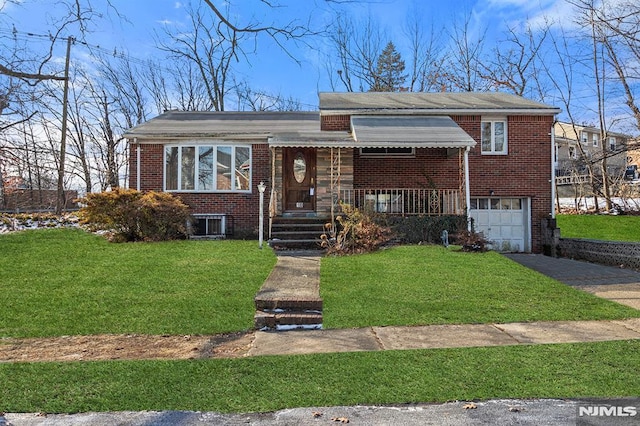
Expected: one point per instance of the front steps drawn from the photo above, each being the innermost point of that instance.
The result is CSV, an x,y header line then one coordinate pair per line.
x,y
283,314
290,296
300,232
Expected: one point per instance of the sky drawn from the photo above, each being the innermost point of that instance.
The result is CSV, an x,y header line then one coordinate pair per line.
x,y
139,23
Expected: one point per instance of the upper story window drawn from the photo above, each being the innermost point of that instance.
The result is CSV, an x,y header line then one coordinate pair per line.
x,y
584,136
207,168
387,152
494,136
572,152
594,138
612,143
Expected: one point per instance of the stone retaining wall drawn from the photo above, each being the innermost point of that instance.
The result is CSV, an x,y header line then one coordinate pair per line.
x,y
612,253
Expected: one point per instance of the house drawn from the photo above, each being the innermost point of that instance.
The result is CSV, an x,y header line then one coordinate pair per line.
x,y
577,145
487,155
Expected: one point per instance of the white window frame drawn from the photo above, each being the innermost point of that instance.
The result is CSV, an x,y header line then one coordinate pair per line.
x,y
572,152
584,137
505,145
215,147
612,143
594,139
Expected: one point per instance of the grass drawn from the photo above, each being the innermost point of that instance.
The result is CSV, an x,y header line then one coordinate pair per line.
x,y
600,227
69,282
606,369
412,285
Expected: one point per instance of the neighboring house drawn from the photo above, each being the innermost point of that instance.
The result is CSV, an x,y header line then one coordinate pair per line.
x,y
488,155
577,145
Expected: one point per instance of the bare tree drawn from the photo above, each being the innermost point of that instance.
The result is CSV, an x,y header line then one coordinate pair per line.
x,y
515,61
466,54
357,46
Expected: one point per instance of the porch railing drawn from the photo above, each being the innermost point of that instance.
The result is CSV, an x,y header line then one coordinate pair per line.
x,y
405,201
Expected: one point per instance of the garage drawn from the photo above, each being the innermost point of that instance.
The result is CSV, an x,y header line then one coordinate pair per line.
x,y
505,222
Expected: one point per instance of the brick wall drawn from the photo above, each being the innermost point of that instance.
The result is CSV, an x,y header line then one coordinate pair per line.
x,y
335,122
524,173
241,208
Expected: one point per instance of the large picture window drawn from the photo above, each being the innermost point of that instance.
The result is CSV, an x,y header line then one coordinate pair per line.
x,y
207,168
494,137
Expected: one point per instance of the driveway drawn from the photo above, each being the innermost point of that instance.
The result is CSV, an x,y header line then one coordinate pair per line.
x,y
617,284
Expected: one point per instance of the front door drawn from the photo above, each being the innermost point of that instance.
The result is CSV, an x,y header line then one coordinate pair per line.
x,y
299,168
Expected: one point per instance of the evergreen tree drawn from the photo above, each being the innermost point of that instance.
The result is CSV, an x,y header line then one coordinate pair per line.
x,y
389,75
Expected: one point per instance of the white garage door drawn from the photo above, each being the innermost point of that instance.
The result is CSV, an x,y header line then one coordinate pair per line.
x,y
503,221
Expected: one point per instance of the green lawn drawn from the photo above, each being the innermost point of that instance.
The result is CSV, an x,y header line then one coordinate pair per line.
x,y
607,369
600,227
57,282
433,285
69,282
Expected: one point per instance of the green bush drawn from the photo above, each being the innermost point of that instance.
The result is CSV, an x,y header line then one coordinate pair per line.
x,y
425,229
131,215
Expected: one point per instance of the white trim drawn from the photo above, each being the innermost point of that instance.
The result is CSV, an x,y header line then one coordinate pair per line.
x,y
138,172
467,189
505,135
553,172
214,171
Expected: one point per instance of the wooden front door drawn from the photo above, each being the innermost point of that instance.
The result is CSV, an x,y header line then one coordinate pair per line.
x,y
299,168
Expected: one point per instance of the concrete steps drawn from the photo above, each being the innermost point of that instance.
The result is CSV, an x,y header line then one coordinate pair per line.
x,y
290,297
297,232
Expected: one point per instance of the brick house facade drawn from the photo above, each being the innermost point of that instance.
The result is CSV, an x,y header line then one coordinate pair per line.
x,y
487,155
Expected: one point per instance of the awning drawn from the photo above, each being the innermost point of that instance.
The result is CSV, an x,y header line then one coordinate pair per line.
x,y
409,132
383,132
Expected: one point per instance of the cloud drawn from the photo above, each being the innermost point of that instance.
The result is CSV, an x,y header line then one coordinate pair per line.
x,y
177,5
166,22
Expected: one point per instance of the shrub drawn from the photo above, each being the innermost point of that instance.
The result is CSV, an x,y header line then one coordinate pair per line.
x,y
425,229
472,241
356,232
135,216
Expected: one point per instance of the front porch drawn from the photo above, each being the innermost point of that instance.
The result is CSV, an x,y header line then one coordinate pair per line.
x,y
302,230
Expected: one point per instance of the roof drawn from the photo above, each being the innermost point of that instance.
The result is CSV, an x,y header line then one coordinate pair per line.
x,y
223,125
377,120
430,103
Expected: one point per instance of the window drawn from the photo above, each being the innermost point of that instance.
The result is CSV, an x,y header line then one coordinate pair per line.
x,y
209,225
572,152
584,137
387,152
207,168
494,137
612,144
595,139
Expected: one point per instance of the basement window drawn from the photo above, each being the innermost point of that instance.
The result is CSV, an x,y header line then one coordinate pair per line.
x,y
209,226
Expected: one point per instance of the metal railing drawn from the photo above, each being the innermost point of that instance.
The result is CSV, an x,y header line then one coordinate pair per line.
x,y
405,201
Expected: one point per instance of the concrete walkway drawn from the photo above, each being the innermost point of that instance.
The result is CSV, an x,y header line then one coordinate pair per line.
x,y
616,284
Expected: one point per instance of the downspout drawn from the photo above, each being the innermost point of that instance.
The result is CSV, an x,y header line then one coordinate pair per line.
x,y
467,190
135,141
553,172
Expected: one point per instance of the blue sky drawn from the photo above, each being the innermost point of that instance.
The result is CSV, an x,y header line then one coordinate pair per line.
x,y
272,70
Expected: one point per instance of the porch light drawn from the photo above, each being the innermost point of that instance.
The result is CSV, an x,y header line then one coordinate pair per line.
x,y
261,188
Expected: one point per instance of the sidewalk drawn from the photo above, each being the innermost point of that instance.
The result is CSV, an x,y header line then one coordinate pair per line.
x,y
301,273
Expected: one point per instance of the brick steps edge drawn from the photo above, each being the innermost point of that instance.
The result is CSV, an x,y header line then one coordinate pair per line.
x,y
274,320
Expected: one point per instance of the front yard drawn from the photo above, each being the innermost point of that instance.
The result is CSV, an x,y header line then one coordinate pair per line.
x,y
61,282
600,227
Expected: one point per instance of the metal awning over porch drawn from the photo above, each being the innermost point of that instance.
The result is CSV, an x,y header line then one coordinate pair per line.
x,y
383,132
409,132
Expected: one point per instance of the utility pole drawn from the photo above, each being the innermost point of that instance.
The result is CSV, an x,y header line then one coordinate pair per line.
x,y
61,201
